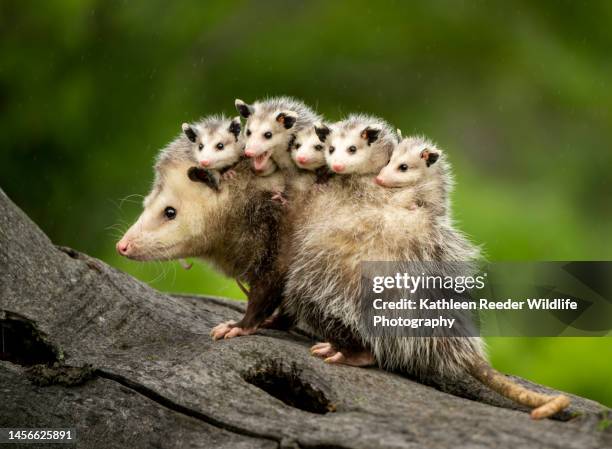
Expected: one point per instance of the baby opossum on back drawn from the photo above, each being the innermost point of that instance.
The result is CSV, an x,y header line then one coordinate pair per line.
x,y
418,175
271,125
216,142
359,144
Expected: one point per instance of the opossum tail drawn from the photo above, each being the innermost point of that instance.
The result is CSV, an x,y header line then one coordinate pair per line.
x,y
543,405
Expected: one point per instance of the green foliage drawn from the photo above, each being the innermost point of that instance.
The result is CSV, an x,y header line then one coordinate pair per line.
x,y
516,92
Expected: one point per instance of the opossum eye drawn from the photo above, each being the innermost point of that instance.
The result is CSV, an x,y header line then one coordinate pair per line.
x,y
352,149
318,147
170,213
248,133
332,149
268,135
220,146
298,145
402,167
200,146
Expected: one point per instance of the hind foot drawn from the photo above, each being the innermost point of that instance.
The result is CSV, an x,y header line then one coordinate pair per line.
x,y
331,355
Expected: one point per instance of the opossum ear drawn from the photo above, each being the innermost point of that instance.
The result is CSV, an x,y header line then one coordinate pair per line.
x,y
322,131
234,127
198,174
287,118
243,109
370,133
189,131
430,156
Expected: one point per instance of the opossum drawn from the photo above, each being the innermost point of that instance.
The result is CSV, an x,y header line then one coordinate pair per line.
x,y
359,144
307,151
418,175
232,223
217,143
323,286
271,125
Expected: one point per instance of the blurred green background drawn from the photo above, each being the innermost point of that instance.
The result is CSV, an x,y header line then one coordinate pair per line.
x,y
518,93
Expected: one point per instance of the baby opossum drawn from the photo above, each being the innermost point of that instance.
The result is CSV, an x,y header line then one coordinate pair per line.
x,y
232,223
271,125
359,144
217,143
307,151
419,176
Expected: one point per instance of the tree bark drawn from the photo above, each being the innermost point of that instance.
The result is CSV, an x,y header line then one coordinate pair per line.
x,y
87,346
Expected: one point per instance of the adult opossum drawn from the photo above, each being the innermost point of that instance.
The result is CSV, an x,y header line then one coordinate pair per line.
x,y
232,223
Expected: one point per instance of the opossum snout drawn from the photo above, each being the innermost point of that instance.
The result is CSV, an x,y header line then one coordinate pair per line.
x,y
379,181
123,246
249,152
302,159
204,162
338,168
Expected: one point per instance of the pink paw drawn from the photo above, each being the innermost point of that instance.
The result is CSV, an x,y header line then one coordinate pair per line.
x,y
230,174
221,330
331,355
278,196
239,332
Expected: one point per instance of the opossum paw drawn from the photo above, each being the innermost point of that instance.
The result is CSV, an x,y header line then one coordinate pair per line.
x,y
361,359
221,330
230,174
278,196
239,332
323,350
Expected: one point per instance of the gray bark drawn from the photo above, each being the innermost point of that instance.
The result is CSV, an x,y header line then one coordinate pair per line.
x,y
87,346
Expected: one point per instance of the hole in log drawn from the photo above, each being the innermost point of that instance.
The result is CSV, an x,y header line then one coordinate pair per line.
x,y
21,343
285,384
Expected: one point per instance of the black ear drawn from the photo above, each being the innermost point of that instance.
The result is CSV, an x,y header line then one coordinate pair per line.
x,y
287,119
370,133
430,156
322,131
189,131
198,174
234,127
243,109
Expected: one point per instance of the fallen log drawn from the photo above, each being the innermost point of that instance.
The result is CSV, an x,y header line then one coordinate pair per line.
x,y
87,346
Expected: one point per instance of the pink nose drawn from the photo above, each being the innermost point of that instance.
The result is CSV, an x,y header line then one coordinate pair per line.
x,y
249,153
302,159
204,162
122,247
338,168
379,181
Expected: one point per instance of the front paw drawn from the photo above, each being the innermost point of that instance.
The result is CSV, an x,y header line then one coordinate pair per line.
x,y
221,330
280,197
230,174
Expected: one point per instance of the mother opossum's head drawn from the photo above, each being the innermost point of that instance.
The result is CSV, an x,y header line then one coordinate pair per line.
x,y
181,215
